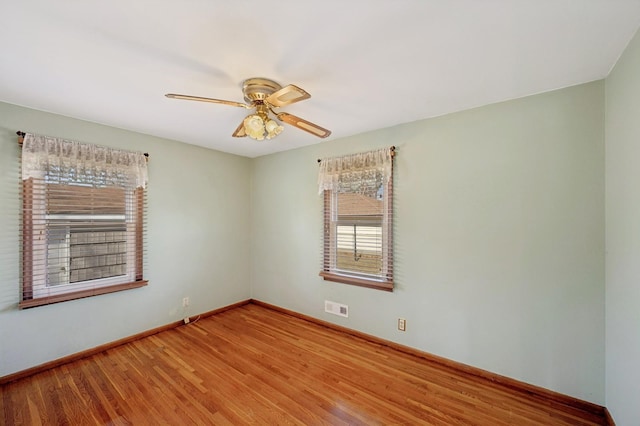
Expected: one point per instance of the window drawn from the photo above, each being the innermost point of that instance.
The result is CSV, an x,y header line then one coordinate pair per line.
x,y
82,220
358,210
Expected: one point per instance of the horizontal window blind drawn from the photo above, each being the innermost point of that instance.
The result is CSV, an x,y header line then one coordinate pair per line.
x,y
358,233
10,211
82,232
358,212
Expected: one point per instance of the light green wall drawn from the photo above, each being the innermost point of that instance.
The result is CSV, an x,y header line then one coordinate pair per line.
x,y
499,238
623,237
198,243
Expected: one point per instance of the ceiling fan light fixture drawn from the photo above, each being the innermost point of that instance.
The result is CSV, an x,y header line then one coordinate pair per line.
x,y
273,128
254,127
259,126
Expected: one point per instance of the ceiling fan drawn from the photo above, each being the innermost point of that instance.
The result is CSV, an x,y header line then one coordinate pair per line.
x,y
264,95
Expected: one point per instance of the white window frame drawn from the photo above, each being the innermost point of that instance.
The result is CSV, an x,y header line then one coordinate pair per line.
x,y
44,288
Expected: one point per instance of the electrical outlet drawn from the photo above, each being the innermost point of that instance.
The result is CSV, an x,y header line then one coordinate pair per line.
x,y
402,324
185,302
186,320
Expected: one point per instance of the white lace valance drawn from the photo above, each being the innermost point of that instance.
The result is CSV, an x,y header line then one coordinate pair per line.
x,y
70,161
362,173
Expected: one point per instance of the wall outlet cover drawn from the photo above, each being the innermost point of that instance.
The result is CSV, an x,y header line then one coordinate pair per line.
x,y
402,324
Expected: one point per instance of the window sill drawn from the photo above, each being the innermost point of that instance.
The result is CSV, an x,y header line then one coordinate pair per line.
x,y
362,282
32,303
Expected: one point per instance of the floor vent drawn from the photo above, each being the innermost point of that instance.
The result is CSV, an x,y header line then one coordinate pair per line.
x,y
336,308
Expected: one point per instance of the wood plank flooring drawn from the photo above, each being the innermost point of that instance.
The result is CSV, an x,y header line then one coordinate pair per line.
x,y
254,365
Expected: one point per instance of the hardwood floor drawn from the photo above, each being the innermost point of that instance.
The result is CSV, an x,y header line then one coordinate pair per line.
x,y
254,365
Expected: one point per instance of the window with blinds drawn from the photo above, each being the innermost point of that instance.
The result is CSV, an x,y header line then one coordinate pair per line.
x,y
358,211
83,217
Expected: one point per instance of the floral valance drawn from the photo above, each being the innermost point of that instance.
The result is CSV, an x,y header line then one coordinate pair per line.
x,y
362,173
76,162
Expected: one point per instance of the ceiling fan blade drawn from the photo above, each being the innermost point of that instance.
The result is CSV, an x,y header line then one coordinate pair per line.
x,y
305,125
240,133
215,101
287,95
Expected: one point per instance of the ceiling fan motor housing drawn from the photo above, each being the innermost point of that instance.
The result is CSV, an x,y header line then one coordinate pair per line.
x,y
258,89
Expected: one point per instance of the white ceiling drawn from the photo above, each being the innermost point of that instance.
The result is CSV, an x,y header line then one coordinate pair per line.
x,y
368,64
